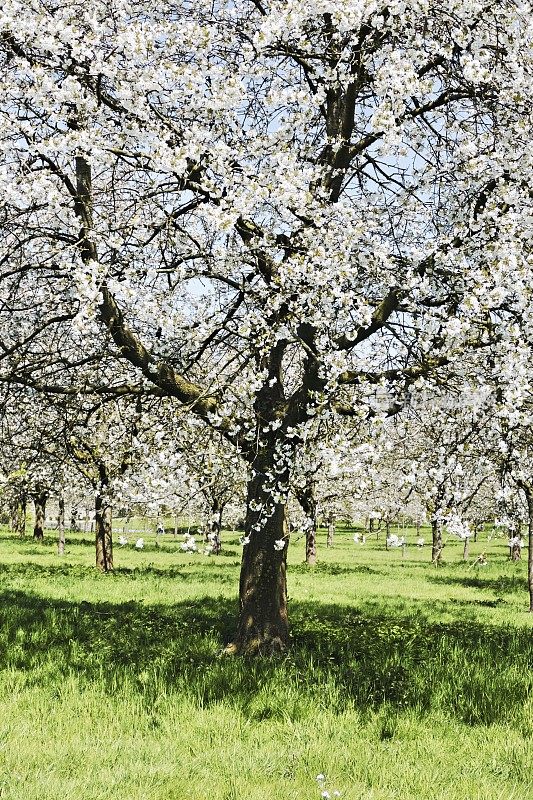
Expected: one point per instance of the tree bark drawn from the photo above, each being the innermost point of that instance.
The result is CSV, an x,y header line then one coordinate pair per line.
x,y
104,538
263,625
61,526
436,541
310,543
39,500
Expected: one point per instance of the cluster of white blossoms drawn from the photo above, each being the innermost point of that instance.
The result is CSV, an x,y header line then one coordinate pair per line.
x,y
188,544
457,526
396,541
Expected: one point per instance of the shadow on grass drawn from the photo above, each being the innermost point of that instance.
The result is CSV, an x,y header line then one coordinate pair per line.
x,y
503,584
341,657
203,571
326,568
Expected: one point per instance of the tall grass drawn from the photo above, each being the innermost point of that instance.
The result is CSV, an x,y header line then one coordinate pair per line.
x,y
403,681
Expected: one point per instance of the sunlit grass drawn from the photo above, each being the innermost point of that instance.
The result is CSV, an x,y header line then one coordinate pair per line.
x,y
404,681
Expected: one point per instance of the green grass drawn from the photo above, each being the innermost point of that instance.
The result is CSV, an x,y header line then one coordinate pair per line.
x,y
404,681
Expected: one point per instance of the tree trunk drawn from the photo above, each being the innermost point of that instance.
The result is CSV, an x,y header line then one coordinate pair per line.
x,y
310,543
18,515
306,498
331,529
61,526
39,501
465,548
104,538
217,510
73,520
263,625
436,543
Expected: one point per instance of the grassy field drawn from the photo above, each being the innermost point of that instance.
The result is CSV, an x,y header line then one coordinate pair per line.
x,y
403,682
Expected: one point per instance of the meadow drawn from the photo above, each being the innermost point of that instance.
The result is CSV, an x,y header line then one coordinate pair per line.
x,y
403,681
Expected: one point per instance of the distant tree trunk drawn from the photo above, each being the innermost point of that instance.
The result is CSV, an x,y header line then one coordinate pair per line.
x,y
18,514
263,625
61,526
217,509
39,501
306,498
436,541
331,529
310,542
515,551
465,548
104,536
73,526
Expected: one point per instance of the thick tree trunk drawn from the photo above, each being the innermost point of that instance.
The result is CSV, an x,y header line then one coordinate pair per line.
x,y
61,526
39,501
436,541
104,538
263,626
